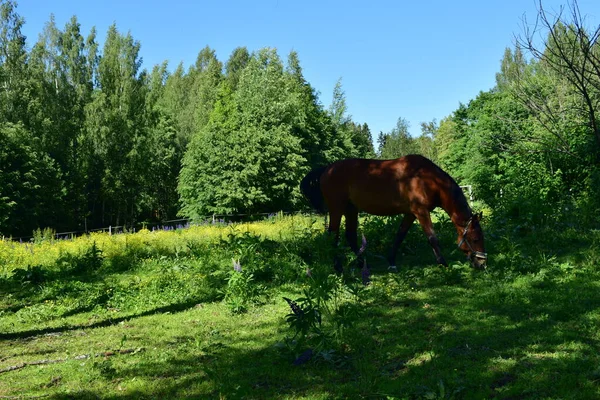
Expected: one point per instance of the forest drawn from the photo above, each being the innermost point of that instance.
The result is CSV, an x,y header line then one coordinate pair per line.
x,y
90,139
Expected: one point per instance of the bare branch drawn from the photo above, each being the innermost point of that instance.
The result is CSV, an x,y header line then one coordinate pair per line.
x,y
572,52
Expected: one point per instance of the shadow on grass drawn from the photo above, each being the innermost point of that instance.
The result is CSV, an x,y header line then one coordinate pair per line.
x,y
462,340
527,338
108,322
237,369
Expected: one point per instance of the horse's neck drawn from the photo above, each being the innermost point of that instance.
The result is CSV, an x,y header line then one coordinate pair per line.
x,y
456,211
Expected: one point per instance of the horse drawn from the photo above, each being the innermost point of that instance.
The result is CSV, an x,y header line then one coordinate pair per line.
x,y
411,185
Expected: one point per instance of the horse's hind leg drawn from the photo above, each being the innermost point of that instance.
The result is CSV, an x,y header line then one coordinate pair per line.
x,y
405,225
335,219
351,230
351,227
425,221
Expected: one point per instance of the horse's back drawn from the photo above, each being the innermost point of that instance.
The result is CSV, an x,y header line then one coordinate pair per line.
x,y
382,187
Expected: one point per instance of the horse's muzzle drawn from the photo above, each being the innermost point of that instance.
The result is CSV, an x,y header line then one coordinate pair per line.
x,y
478,260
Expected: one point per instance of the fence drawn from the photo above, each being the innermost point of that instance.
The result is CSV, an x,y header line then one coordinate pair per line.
x,y
163,225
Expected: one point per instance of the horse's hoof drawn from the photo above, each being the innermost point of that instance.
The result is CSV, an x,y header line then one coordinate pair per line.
x,y
392,268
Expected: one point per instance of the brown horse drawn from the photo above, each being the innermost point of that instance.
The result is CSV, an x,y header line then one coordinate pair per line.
x,y
412,185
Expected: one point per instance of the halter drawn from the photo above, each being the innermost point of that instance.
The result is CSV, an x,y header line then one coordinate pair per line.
x,y
477,254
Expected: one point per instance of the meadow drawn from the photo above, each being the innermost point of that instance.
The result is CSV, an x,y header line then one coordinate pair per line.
x,y
202,313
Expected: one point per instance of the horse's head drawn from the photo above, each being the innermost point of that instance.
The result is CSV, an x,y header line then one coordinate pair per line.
x,y
471,243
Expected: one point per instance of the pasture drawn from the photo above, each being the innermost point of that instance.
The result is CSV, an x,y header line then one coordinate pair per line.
x,y
162,315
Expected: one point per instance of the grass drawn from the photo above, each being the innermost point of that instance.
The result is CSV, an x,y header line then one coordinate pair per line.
x,y
144,315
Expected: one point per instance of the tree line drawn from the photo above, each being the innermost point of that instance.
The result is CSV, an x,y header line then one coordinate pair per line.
x,y
89,138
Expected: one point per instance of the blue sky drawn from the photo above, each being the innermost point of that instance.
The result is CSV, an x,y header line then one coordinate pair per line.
x,y
412,59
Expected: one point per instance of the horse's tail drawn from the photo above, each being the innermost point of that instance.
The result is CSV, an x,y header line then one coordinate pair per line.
x,y
310,186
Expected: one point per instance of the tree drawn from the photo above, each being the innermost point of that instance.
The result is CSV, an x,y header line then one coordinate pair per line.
x,y
60,86
321,139
424,144
235,65
30,188
560,89
345,135
116,129
162,156
396,143
208,75
512,68
360,135
193,95
382,139
338,108
13,65
248,157
174,103
572,52
205,185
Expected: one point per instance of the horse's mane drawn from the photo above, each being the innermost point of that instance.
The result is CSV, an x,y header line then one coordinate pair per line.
x,y
457,193
310,186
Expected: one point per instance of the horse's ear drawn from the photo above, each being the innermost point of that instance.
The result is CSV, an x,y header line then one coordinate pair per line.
x,y
479,215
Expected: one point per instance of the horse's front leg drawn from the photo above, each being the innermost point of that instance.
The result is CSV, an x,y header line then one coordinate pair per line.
x,y
405,225
425,221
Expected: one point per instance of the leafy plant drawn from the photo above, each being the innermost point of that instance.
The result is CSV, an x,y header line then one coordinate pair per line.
x,y
321,317
241,290
45,235
90,261
30,274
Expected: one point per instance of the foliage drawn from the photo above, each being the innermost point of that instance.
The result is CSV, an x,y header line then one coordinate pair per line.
x,y
256,146
397,143
240,291
322,316
30,184
46,234
109,139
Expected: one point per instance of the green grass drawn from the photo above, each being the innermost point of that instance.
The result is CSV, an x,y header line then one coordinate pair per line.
x,y
144,316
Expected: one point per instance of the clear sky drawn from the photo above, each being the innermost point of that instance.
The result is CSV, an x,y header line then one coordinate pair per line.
x,y
412,59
